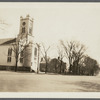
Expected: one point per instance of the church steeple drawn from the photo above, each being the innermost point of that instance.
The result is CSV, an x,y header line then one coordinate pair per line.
x,y
26,28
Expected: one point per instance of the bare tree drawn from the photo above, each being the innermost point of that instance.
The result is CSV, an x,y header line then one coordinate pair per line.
x,y
74,52
91,66
19,48
16,54
45,56
60,56
68,48
78,54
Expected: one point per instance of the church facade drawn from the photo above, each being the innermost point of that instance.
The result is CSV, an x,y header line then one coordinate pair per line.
x,y
21,53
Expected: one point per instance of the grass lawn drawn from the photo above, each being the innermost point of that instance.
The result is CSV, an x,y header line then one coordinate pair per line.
x,y
31,82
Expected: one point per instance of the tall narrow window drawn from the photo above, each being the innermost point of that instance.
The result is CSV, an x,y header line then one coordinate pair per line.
x,y
23,30
30,31
35,52
21,57
41,59
9,55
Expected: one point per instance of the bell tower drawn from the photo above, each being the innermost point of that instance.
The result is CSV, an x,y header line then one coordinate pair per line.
x,y
26,29
29,51
25,40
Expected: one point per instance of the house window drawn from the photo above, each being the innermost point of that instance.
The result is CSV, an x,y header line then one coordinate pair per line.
x,y
9,55
21,57
23,30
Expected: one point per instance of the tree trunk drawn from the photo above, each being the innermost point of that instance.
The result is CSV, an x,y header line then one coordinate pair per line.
x,y
55,66
79,70
37,71
70,68
46,67
16,62
16,65
60,66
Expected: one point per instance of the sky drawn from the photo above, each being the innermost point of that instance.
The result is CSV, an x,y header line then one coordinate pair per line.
x,y
54,22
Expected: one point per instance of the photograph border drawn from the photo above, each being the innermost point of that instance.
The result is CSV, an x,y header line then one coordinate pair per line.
x,y
47,96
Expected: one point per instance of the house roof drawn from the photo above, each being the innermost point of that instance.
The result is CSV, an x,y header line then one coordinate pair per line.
x,y
7,41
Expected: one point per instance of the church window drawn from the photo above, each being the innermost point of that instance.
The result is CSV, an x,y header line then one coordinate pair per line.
x,y
23,30
41,59
9,55
21,57
35,52
9,59
30,30
23,23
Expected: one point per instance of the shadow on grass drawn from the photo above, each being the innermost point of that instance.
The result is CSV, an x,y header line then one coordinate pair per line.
x,y
89,86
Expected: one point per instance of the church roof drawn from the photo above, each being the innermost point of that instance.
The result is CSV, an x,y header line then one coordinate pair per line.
x,y
7,41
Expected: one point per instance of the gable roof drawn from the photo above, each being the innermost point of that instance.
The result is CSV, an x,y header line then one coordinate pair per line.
x,y
7,41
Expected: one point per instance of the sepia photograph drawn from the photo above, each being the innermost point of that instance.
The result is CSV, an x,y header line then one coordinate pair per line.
x,y
49,47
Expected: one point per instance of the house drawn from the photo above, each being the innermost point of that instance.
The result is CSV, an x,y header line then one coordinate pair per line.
x,y
20,53
54,66
43,64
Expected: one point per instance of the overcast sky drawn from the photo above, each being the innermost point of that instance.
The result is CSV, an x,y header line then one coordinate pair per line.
x,y
56,21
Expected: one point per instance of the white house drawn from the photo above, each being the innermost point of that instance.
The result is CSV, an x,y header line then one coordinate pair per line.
x,y
21,51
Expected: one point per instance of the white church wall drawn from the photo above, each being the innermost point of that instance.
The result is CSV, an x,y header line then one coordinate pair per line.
x,y
33,67
27,56
19,63
25,36
34,58
4,56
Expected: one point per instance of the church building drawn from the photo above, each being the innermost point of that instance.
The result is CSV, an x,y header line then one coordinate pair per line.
x,y
20,53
